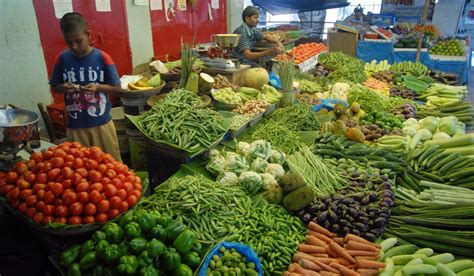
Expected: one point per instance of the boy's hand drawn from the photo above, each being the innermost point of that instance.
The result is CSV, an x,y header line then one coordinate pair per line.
x,y
90,88
68,87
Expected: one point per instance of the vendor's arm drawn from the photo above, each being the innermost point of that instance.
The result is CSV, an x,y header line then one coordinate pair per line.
x,y
106,88
65,87
273,39
255,55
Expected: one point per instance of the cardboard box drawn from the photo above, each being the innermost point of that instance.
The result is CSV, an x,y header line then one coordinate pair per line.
x,y
342,42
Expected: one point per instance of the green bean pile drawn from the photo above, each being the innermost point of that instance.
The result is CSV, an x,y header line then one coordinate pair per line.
x,y
299,117
175,121
369,100
343,66
317,176
217,212
280,136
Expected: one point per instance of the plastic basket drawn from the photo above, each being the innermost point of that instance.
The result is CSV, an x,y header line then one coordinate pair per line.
x,y
243,249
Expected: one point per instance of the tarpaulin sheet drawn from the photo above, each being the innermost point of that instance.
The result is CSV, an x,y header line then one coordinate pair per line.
x,y
368,51
294,6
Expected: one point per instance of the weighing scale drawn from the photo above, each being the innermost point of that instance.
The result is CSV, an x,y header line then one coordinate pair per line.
x,y
220,56
16,128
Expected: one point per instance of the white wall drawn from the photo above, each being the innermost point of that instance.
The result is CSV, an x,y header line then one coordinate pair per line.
x,y
234,14
23,77
446,16
140,35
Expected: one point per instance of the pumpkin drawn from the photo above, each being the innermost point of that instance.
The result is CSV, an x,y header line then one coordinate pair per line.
x,y
355,135
255,78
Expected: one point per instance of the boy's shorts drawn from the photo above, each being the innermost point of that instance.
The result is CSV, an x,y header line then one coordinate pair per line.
x,y
103,136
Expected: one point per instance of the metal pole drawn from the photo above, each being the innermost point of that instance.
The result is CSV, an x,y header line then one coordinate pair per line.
x,y
423,21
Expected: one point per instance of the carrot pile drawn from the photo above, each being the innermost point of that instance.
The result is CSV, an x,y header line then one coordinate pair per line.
x,y
302,52
378,85
325,254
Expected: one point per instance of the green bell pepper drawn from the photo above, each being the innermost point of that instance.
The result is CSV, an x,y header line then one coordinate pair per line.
x,y
128,265
98,236
144,259
138,245
170,260
88,261
192,259
148,271
100,248
185,241
112,254
132,230
183,270
70,255
173,230
158,232
74,270
100,270
145,220
113,232
124,247
156,248
87,247
126,219
164,220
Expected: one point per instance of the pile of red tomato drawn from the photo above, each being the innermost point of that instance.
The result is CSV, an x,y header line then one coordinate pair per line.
x,y
303,52
71,184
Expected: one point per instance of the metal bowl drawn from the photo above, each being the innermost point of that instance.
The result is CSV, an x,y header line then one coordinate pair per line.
x,y
227,40
16,125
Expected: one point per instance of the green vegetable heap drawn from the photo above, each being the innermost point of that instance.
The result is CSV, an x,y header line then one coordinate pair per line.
x,y
222,211
141,243
174,120
345,67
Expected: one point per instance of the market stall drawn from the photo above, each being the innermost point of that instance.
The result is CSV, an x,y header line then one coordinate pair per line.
x,y
328,165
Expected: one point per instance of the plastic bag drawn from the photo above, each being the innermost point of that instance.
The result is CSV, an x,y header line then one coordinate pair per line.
x,y
275,80
243,249
328,104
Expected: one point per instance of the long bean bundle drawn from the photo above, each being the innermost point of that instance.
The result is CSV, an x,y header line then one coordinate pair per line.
x,y
345,67
216,212
175,121
317,176
287,74
297,118
369,100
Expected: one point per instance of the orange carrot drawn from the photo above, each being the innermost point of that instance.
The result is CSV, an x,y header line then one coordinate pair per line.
x,y
319,255
298,269
368,272
336,248
339,241
327,273
343,261
312,240
320,236
344,270
319,229
326,267
307,248
330,252
362,253
353,245
369,264
300,255
352,237
372,258
287,273
309,265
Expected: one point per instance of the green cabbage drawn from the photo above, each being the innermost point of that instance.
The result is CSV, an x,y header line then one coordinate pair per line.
x,y
430,123
448,125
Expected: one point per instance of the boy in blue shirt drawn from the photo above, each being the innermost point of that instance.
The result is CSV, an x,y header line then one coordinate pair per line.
x,y
85,75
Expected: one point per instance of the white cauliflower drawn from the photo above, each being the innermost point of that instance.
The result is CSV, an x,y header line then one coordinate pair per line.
x,y
228,178
276,170
268,181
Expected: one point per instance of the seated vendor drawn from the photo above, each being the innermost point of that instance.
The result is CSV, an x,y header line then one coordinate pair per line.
x,y
250,35
357,17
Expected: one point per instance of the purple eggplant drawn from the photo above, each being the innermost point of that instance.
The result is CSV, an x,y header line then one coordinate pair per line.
x,y
346,230
326,224
355,231
335,228
307,218
332,216
369,236
343,222
322,216
379,222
